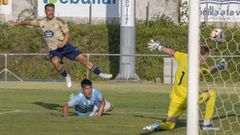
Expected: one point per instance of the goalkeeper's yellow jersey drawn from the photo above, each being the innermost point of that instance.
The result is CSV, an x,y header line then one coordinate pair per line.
x,y
181,76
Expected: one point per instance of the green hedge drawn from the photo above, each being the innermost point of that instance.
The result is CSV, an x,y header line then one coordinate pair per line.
x,y
102,38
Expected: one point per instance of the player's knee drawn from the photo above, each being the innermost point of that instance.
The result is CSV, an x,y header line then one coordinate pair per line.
x,y
57,64
172,125
81,58
110,109
55,61
212,93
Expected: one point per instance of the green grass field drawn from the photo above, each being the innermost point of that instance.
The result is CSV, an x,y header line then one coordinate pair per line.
x,y
34,108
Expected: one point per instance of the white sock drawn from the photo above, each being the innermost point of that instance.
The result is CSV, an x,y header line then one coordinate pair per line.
x,y
206,122
67,75
101,75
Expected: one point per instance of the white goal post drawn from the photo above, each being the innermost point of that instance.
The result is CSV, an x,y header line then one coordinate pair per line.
x,y
193,67
225,84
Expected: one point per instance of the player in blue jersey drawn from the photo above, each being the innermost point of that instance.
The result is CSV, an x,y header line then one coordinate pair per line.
x,y
88,102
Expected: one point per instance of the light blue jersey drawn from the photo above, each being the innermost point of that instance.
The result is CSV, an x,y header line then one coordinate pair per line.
x,y
84,106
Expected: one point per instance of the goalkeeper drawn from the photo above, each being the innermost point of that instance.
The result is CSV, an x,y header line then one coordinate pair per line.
x,y
178,95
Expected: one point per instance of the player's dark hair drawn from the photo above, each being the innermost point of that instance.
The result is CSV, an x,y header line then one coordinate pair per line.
x,y
204,50
49,5
85,83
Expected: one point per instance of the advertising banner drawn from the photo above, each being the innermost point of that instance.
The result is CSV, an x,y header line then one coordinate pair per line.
x,y
82,8
127,13
220,10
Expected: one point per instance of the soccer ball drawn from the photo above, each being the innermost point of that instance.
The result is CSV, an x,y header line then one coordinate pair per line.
x,y
217,35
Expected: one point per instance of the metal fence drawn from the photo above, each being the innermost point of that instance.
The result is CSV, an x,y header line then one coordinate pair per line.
x,y
37,67
10,64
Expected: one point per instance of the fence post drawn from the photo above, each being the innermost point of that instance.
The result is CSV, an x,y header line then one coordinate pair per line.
x,y
147,15
90,14
88,57
5,72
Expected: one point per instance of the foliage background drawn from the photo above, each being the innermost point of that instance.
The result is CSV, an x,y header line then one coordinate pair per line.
x,y
105,38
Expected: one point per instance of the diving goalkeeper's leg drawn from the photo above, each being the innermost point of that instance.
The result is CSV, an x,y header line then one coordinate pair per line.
x,y
174,111
168,125
209,97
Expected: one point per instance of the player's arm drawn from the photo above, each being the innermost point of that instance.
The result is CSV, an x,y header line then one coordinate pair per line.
x,y
213,70
67,37
21,23
65,40
155,45
71,103
168,51
66,33
101,108
222,65
65,110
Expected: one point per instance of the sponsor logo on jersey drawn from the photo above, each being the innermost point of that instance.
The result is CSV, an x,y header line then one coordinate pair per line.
x,y
48,34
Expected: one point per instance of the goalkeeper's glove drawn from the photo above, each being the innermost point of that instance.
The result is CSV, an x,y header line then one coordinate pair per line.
x,y
222,65
154,45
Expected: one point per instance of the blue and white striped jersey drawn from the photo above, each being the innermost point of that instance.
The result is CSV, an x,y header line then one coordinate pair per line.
x,y
83,105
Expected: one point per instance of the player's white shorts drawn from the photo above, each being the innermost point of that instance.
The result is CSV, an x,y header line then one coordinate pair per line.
x,y
95,109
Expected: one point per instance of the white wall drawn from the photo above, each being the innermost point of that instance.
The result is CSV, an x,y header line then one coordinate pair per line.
x,y
167,7
169,70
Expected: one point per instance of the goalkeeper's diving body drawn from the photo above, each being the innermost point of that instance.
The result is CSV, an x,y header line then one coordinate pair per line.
x,y
178,95
57,36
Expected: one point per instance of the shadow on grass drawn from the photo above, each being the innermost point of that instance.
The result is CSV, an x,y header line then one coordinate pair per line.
x,y
148,117
50,106
226,116
179,124
57,107
149,133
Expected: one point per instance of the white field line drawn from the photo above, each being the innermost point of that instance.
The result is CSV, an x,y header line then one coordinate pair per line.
x,y
13,111
138,113
127,112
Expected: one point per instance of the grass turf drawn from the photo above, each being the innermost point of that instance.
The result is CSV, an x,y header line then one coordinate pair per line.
x,y
29,108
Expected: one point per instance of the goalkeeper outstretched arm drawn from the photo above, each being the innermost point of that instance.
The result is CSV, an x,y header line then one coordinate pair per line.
x,y
156,45
222,65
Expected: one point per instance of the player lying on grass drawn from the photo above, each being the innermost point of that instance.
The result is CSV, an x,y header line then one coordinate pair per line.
x,y
88,102
57,36
178,96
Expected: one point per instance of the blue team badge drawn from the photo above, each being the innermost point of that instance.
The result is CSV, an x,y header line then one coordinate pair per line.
x,y
48,34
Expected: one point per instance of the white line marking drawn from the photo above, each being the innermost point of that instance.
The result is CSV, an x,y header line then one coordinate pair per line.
x,y
13,111
147,113
119,112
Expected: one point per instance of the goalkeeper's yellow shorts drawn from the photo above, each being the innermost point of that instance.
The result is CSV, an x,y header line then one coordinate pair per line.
x,y
178,101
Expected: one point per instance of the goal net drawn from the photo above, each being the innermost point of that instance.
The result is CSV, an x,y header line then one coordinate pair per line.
x,y
222,14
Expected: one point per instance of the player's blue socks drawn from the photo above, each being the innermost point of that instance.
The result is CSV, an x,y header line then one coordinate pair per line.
x,y
95,70
63,72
